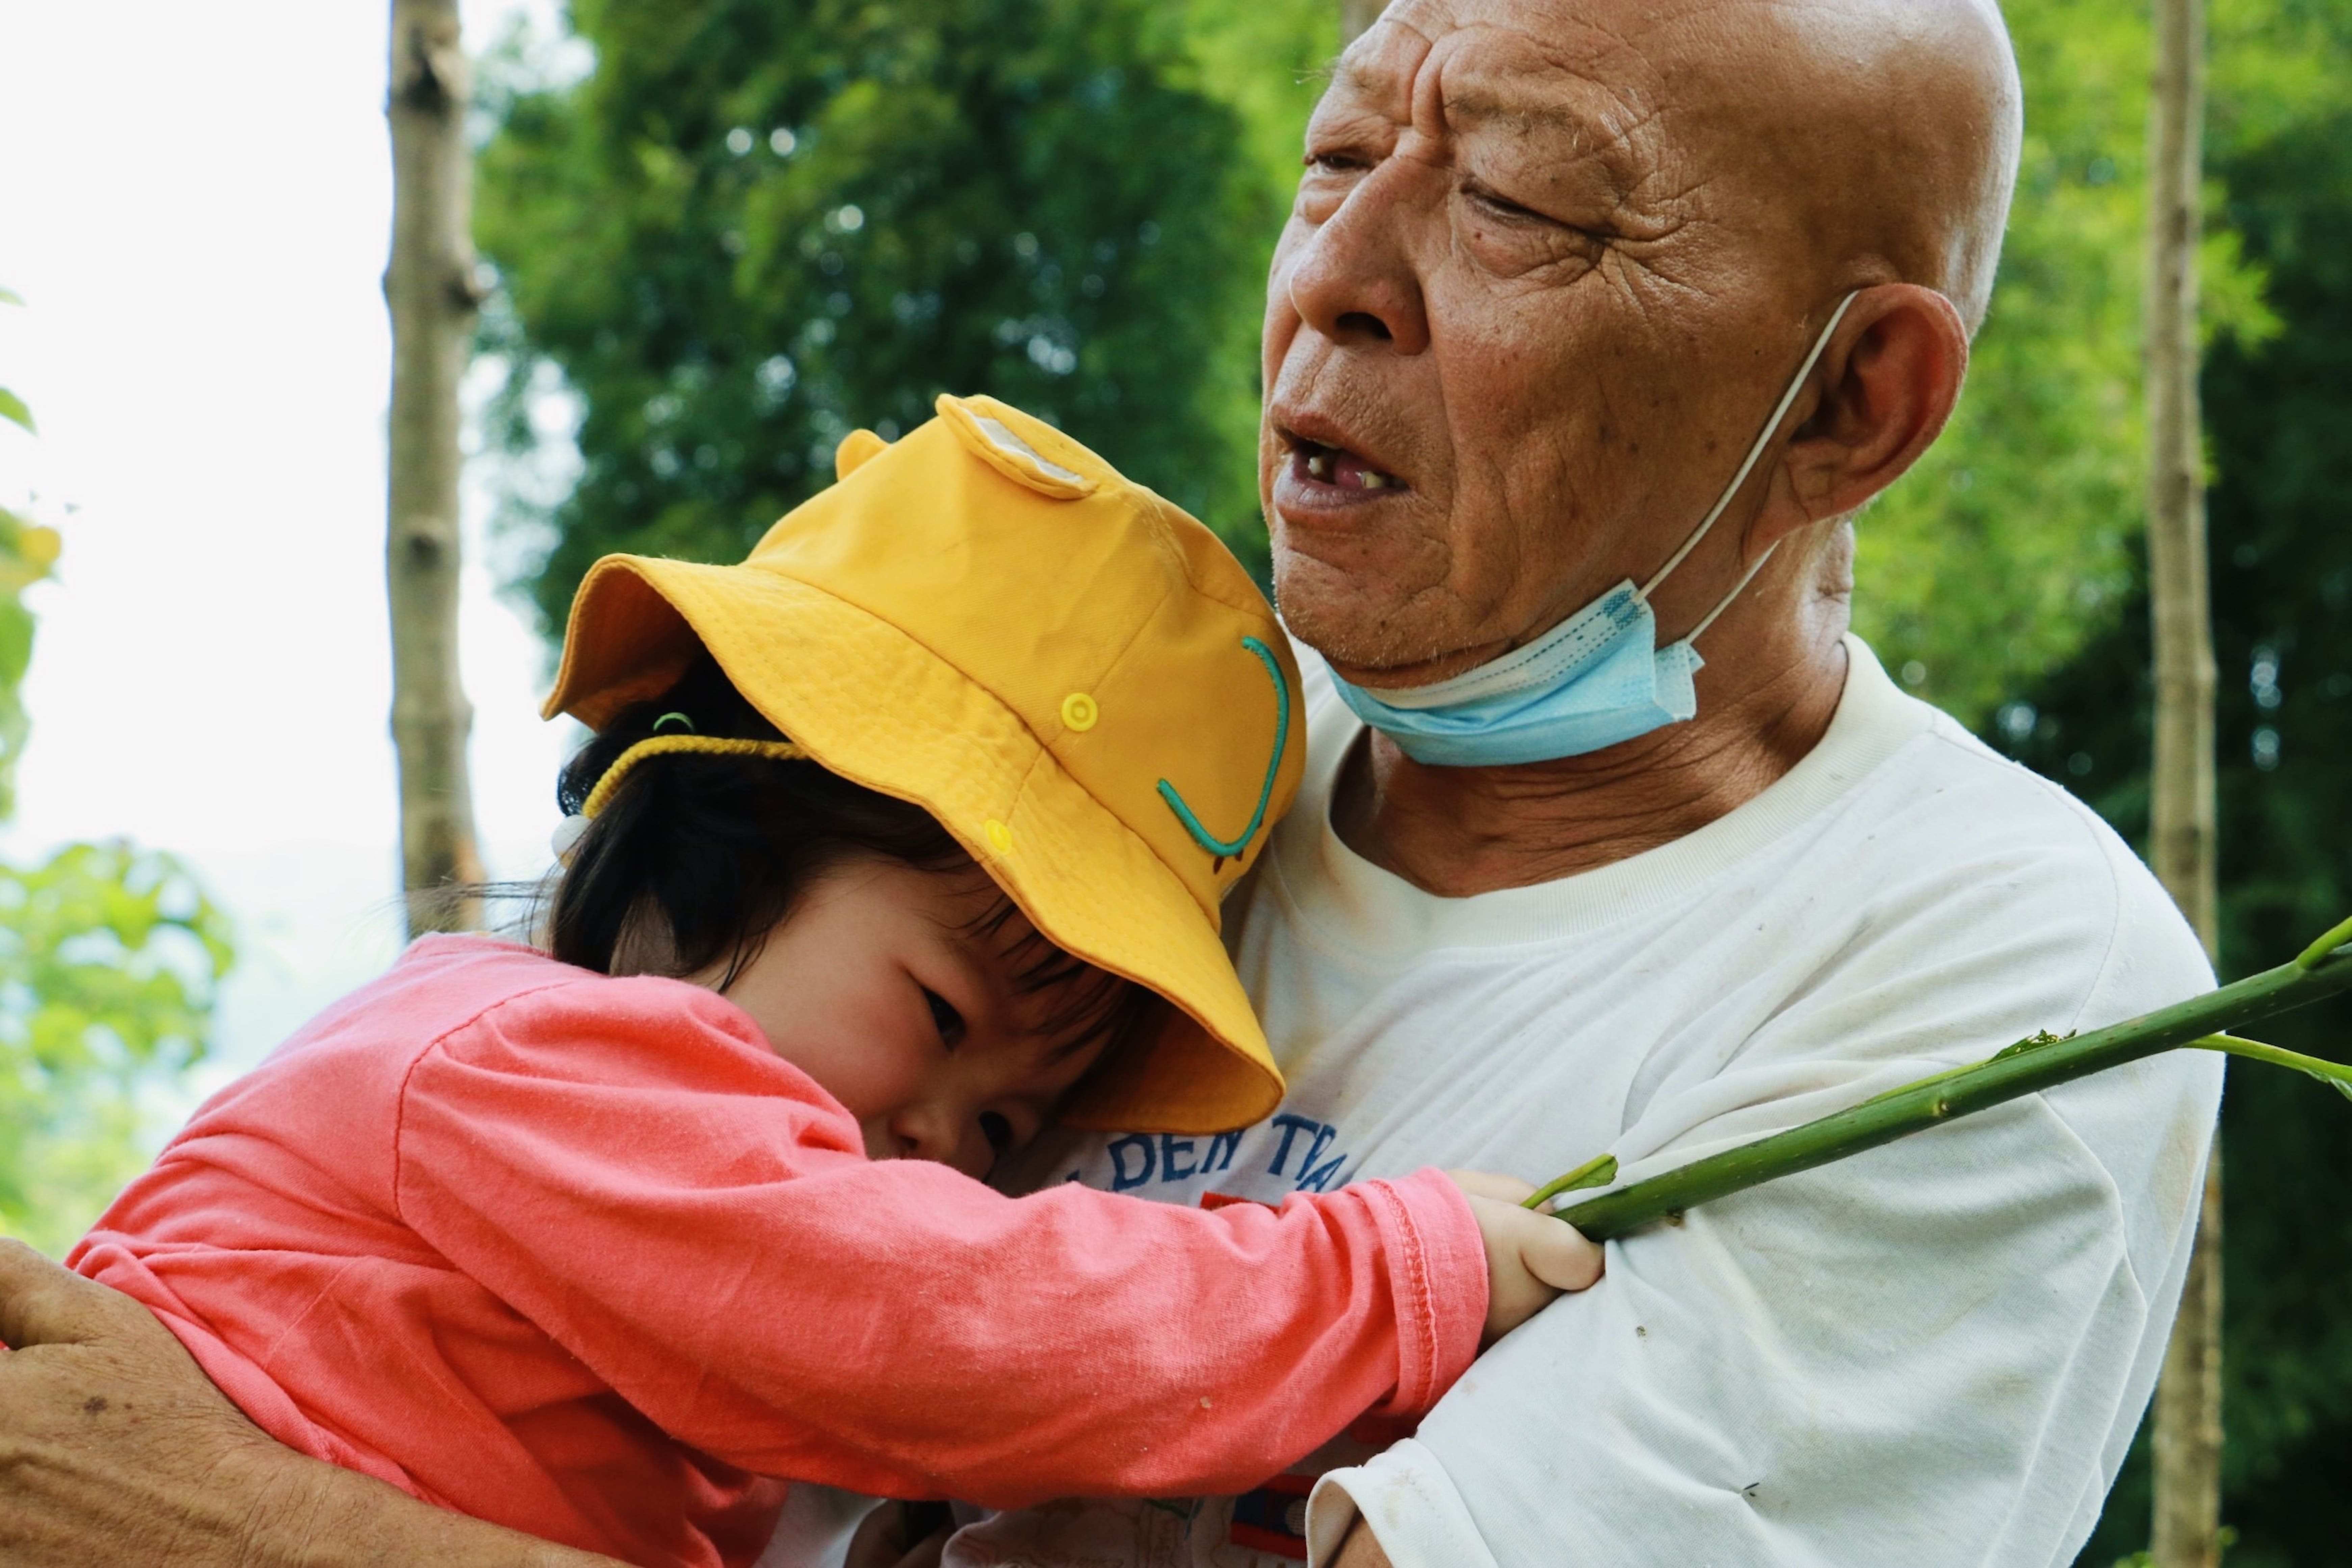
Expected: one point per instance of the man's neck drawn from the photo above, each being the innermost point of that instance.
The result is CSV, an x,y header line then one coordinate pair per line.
x,y
1456,832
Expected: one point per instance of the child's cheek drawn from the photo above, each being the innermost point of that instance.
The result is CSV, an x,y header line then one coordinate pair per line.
x,y
877,1078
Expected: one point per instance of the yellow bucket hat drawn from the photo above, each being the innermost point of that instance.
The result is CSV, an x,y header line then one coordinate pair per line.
x,y
1071,674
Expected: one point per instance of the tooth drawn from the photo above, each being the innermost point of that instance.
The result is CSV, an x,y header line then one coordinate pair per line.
x,y
1319,466
1374,479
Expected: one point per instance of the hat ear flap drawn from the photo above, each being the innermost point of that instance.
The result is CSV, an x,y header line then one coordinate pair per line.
x,y
1000,447
857,449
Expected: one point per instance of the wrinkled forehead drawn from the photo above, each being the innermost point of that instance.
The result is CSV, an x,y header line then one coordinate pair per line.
x,y
1635,92
1508,64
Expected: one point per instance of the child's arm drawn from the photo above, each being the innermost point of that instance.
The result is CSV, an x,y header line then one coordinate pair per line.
x,y
697,1223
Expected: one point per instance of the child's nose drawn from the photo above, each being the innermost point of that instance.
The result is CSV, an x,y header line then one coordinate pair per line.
x,y
943,1134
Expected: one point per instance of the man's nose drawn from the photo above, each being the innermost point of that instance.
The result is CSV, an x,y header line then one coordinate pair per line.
x,y
1353,280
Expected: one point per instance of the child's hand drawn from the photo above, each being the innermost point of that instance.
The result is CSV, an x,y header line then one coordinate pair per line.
x,y
1530,1258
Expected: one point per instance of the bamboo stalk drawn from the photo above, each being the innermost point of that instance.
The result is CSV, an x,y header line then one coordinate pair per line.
x,y
2026,1067
2187,1520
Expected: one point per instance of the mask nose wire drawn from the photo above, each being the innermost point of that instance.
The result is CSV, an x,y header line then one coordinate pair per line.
x,y
1755,452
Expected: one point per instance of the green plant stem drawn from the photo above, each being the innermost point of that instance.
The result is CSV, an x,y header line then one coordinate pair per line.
x,y
1598,1173
2338,1076
2027,1067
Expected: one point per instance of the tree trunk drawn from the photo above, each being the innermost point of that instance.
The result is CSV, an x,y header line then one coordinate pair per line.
x,y
1355,16
2188,1521
433,296
2188,1440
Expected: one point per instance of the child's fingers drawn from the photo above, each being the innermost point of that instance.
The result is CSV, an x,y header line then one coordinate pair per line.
x,y
1487,1185
1530,1259
1552,1254
1558,1254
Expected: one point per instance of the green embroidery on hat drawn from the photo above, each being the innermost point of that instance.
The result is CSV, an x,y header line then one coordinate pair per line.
x,y
1202,836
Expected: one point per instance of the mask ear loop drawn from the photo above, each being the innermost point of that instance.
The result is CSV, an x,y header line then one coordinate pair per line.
x,y
1755,454
1724,604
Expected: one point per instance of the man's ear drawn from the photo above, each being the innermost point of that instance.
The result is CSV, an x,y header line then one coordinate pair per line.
x,y
1889,381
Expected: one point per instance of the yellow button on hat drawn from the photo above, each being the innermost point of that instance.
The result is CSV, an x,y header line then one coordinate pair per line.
x,y
1075,677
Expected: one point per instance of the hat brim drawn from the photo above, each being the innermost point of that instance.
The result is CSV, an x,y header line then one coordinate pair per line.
x,y
812,662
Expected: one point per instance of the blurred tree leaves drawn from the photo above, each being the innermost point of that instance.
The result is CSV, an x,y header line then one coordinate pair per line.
x,y
2277,405
27,551
109,956
2010,545
12,407
755,227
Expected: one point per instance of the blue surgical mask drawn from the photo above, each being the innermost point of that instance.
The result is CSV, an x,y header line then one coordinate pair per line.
x,y
1596,679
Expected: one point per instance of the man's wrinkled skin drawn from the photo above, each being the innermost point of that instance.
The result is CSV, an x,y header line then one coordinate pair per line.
x,y
1552,263
115,1448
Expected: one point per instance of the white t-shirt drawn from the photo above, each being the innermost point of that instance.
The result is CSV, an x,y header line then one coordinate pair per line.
x,y
1933,1354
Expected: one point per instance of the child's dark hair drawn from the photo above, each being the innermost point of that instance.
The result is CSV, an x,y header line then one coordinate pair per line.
x,y
697,857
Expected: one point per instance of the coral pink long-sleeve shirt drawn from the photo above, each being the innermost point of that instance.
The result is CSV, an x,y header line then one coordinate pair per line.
x,y
583,1256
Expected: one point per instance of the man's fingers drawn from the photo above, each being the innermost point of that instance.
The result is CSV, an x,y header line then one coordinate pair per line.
x,y
43,1304
1487,1185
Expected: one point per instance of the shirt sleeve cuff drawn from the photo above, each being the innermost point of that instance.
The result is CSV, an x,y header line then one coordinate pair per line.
x,y
1437,1279
1406,1499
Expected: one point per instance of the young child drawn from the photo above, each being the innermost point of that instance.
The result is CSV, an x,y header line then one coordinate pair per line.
x,y
894,843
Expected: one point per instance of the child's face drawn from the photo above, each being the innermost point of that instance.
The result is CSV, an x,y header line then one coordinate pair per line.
x,y
880,987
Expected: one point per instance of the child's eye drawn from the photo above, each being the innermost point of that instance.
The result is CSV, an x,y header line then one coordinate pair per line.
x,y
997,1131
943,1014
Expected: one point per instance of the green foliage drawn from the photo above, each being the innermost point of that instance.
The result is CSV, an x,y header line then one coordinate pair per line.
x,y
754,228
27,551
12,407
109,958
1266,60
2009,545
2280,144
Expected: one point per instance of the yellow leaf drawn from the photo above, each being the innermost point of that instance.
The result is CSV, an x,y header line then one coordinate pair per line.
x,y
39,547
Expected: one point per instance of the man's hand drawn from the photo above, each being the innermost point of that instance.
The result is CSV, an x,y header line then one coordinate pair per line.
x,y
115,1447
103,1415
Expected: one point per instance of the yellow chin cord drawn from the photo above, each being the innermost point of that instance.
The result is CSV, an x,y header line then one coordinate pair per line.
x,y
663,745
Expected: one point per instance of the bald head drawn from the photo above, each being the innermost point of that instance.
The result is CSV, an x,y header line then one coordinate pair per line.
x,y
1877,139
1883,135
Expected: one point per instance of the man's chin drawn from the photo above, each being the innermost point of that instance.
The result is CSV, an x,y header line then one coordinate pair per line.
x,y
1358,639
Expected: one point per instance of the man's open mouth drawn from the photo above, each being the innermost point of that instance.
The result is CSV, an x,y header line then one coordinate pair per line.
x,y
1326,465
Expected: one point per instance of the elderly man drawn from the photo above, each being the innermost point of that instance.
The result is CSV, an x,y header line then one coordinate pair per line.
x,y
1595,325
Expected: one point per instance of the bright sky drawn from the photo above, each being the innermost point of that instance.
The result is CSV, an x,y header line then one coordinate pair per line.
x,y
195,204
